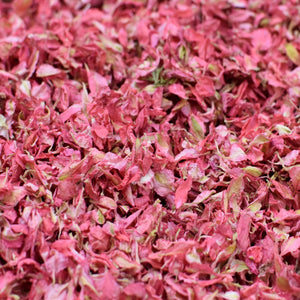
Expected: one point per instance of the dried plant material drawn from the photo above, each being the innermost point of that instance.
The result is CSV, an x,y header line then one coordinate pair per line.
x,y
149,149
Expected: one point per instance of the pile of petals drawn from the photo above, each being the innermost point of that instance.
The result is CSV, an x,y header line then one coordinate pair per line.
x,y
149,149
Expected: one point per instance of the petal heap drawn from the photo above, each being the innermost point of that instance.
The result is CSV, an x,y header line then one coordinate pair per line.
x,y
149,149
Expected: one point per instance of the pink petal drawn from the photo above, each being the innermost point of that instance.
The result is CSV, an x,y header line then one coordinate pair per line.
x,y
182,192
46,70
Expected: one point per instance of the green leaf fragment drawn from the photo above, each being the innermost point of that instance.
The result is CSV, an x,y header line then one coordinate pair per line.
x,y
101,218
282,130
254,171
239,265
292,53
197,128
254,207
183,53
